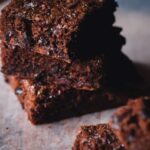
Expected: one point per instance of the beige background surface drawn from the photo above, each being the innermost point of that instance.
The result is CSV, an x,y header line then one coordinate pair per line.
x,y
16,132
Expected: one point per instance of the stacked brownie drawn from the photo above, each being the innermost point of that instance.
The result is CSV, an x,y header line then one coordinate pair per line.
x,y
63,57
129,129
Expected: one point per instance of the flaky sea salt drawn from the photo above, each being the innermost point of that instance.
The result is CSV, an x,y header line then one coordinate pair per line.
x,y
30,5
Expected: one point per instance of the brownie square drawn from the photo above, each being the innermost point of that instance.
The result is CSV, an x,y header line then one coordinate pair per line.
x,y
51,103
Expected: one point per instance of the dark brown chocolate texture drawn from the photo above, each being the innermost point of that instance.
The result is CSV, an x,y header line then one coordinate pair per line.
x,y
63,57
55,102
45,70
98,137
132,124
48,27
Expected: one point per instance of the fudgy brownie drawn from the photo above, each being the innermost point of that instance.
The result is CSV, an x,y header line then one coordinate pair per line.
x,y
98,137
52,103
132,124
79,74
52,27
44,70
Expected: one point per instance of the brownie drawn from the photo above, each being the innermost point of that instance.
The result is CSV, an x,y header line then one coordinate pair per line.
x,y
53,103
89,74
63,57
45,70
52,27
98,137
132,124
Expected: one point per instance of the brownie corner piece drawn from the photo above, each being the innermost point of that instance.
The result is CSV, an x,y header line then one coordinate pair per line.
x,y
98,137
132,124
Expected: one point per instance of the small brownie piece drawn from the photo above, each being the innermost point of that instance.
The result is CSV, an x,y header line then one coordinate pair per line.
x,y
45,70
98,137
48,27
132,124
